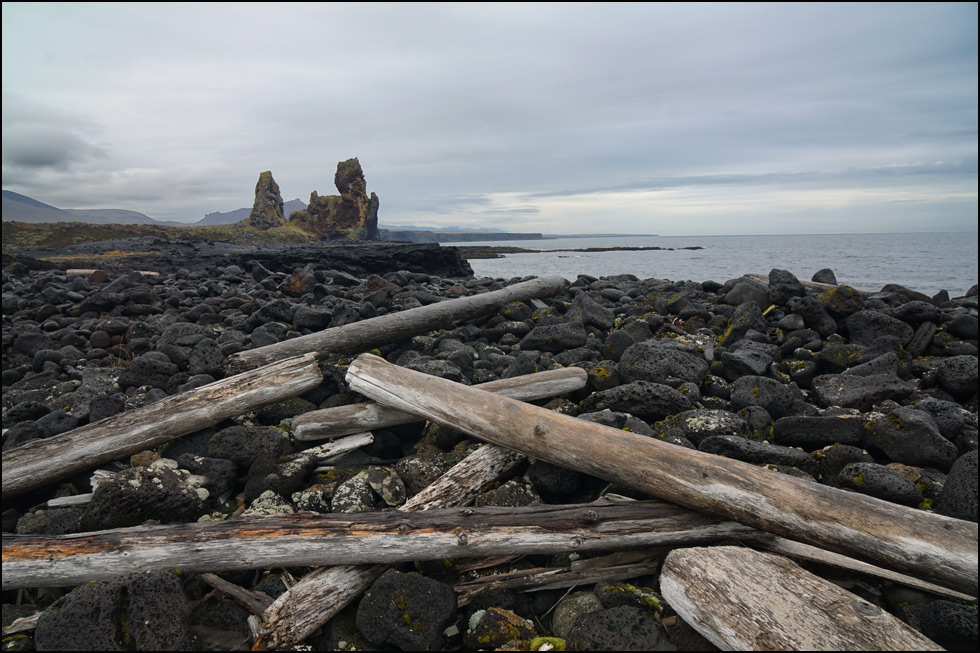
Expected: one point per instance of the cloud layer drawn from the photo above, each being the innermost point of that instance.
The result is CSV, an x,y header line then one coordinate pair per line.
x,y
671,119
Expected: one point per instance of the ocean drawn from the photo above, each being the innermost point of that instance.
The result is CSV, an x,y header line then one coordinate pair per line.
x,y
925,262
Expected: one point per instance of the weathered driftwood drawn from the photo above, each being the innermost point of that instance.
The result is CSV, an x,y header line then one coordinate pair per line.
x,y
603,569
22,624
84,272
74,500
312,602
367,416
40,462
385,329
741,599
466,480
371,537
809,285
801,551
322,593
926,545
329,451
254,602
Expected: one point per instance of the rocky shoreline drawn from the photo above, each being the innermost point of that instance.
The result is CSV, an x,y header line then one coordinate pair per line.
x,y
498,251
874,392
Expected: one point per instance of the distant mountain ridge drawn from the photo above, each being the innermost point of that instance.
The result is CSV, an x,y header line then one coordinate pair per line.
x,y
21,208
231,217
25,209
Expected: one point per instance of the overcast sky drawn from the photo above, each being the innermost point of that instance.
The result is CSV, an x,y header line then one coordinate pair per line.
x,y
641,118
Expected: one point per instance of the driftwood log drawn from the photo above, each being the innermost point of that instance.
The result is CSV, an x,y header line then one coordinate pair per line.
x,y
926,545
41,462
371,537
322,593
740,599
809,285
385,329
801,551
367,416
609,568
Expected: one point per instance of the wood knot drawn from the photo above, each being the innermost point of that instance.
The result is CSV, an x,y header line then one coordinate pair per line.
x,y
866,609
539,430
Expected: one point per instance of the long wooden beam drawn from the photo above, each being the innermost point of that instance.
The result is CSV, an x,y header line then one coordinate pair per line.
x,y
394,327
40,462
367,416
924,544
371,537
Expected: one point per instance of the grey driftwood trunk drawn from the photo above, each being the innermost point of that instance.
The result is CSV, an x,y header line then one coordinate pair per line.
x,y
927,545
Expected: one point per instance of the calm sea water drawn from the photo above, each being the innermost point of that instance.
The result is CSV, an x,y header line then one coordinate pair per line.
x,y
927,263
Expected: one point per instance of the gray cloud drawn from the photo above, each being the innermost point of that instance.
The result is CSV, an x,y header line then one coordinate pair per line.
x,y
35,136
517,116
45,147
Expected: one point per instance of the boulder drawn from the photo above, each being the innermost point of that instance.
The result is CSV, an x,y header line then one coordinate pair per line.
x,y
144,611
909,436
644,399
958,376
783,285
656,360
826,275
816,432
861,392
555,337
138,494
409,611
777,398
865,327
698,424
495,629
624,628
959,498
758,453
585,309
880,482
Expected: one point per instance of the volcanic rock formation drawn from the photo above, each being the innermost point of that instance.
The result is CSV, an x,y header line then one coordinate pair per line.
x,y
267,208
351,215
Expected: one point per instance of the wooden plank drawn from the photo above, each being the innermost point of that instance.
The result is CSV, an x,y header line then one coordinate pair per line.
x,y
367,416
372,537
740,599
40,462
930,546
394,327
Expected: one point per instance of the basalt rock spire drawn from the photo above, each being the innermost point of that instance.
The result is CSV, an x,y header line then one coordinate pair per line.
x,y
267,208
352,214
